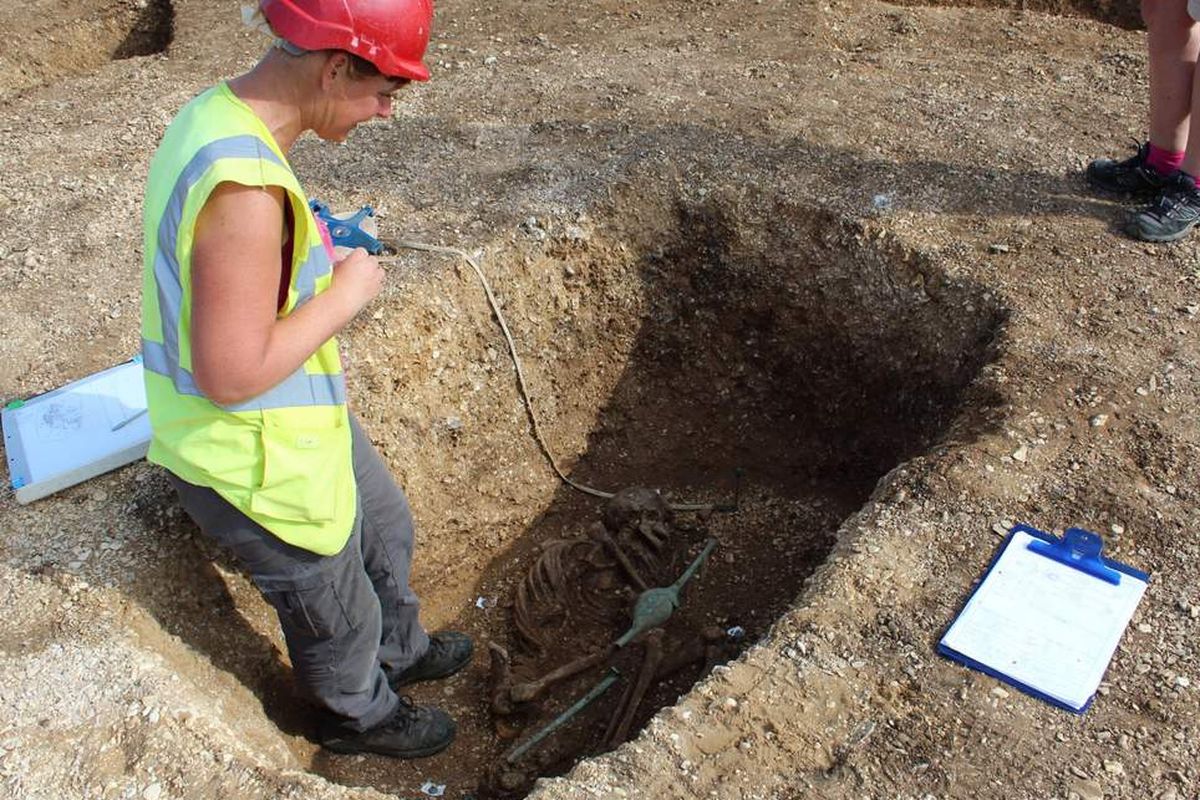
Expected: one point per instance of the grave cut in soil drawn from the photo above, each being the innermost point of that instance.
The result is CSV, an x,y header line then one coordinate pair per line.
x,y
803,351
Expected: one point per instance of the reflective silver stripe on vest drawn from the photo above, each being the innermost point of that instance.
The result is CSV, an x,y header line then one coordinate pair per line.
x,y
316,265
299,388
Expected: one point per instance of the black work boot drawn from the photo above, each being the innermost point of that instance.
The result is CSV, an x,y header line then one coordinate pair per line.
x,y
1171,214
411,731
1130,177
449,651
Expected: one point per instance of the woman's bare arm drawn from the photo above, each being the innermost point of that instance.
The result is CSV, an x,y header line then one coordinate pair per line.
x,y
239,348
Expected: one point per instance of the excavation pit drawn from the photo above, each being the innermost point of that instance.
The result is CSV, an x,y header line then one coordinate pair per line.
x,y
696,340
150,32
77,38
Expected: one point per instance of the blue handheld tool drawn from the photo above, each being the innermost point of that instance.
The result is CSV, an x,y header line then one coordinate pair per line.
x,y
347,231
1079,549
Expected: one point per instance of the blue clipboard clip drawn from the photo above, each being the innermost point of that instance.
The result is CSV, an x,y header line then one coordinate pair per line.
x,y
1079,549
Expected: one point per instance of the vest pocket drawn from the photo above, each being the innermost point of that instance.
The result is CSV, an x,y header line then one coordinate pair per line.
x,y
302,470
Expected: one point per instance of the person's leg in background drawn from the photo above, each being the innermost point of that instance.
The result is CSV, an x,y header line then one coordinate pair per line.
x,y
1175,210
1173,44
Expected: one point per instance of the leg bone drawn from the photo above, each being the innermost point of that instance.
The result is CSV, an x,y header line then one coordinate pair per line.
x,y
650,661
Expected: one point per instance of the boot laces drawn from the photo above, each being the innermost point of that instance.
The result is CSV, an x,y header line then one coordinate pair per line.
x,y
406,711
1176,194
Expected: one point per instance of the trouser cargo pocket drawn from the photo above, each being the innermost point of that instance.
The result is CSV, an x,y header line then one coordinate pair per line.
x,y
317,613
327,609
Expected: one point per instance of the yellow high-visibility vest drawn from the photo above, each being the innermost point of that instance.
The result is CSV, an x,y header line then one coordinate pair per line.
x,y
282,458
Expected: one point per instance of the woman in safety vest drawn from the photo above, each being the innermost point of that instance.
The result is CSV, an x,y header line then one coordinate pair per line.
x,y
242,296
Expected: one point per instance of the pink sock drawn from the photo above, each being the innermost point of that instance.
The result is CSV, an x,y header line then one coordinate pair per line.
x,y
1164,162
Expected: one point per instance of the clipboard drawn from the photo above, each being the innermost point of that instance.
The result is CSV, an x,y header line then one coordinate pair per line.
x,y
75,432
1047,615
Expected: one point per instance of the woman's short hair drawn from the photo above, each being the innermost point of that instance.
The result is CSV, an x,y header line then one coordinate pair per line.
x,y
361,68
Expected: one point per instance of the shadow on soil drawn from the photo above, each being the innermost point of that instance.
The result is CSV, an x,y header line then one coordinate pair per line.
x,y
151,31
941,188
566,169
201,596
1111,12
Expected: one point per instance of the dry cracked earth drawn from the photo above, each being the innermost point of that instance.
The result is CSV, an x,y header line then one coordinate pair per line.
x,y
841,245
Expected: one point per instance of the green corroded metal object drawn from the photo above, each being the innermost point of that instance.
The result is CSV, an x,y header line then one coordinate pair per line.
x,y
655,606
600,688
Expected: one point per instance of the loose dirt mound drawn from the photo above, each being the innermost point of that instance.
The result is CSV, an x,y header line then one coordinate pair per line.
x,y
842,247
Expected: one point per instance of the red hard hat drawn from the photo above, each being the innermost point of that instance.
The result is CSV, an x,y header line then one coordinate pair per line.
x,y
391,34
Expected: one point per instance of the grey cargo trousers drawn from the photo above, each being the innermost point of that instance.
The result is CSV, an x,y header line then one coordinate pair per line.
x,y
349,619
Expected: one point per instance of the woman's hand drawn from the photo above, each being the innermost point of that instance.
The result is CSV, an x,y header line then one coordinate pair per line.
x,y
357,279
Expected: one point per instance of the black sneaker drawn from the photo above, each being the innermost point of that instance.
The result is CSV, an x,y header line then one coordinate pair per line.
x,y
411,731
1130,177
1171,214
449,651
